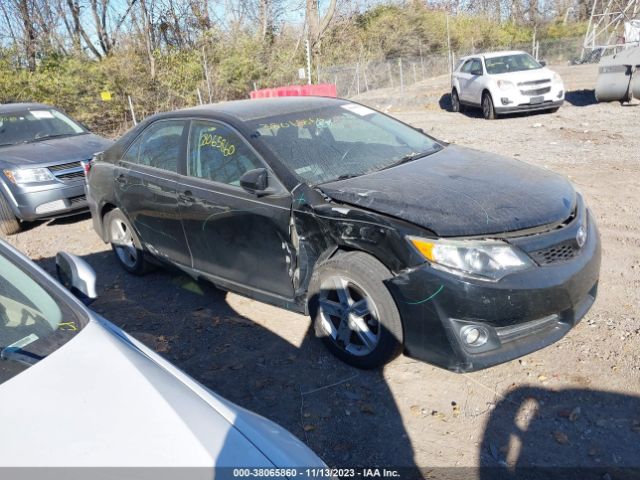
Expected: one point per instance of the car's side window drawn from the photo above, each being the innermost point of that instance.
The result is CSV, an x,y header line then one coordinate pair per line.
x,y
158,146
218,153
466,68
476,65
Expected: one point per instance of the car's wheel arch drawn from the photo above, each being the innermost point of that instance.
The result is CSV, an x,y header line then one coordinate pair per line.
x,y
104,210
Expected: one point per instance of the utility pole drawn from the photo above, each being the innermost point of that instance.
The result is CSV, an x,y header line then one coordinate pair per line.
x,y
449,48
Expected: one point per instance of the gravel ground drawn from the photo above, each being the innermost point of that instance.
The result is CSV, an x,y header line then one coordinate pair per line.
x,y
575,403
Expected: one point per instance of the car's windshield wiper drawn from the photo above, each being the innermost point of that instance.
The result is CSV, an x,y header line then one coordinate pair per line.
x,y
59,135
408,158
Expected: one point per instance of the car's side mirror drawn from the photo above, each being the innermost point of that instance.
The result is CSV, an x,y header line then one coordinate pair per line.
x,y
255,181
543,63
77,276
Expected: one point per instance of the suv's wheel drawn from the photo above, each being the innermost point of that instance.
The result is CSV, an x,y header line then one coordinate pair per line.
x,y
456,106
488,110
9,224
353,312
125,243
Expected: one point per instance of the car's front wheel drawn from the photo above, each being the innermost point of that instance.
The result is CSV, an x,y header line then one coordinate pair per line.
x,y
125,243
9,224
353,312
456,106
488,110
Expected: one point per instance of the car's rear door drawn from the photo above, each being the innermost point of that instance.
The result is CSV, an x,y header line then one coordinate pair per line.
x,y
235,237
146,188
463,76
475,84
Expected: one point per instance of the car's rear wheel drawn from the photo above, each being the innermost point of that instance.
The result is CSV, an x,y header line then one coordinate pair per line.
x,y
353,312
125,243
488,110
456,106
9,224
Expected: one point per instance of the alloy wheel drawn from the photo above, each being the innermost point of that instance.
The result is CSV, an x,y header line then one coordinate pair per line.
x,y
122,241
349,316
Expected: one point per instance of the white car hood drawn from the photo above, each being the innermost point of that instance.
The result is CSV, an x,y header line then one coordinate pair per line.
x,y
104,399
526,75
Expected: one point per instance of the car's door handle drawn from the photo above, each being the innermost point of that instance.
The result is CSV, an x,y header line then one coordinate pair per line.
x,y
186,197
121,179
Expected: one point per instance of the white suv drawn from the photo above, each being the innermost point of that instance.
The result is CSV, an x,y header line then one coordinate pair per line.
x,y
505,82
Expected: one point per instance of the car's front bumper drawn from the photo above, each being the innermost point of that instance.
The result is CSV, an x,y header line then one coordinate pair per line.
x,y
43,201
530,107
515,101
522,312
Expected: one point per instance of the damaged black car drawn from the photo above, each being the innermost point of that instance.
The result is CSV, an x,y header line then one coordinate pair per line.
x,y
389,239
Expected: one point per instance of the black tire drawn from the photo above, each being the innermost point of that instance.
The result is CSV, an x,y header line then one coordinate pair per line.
x,y
9,224
364,276
456,106
488,110
126,247
554,109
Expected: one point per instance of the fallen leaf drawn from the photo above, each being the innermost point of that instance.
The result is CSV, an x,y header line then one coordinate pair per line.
x,y
416,410
561,437
366,408
542,378
309,427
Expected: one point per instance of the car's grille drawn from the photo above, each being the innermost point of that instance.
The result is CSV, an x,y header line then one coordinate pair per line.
x,y
560,252
67,171
536,91
534,82
78,199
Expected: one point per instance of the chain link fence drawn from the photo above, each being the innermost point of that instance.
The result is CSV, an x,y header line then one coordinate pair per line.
x,y
354,79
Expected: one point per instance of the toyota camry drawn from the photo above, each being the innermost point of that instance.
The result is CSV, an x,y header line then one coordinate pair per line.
x,y
389,239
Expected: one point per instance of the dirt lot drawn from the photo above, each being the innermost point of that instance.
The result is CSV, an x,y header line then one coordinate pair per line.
x,y
576,403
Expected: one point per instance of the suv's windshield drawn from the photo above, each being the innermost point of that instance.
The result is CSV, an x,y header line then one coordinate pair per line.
x,y
32,125
33,323
517,62
340,141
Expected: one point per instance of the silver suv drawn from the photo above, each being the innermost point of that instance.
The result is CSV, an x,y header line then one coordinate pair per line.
x,y
41,175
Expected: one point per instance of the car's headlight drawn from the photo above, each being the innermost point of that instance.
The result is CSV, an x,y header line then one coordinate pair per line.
x,y
486,259
557,78
29,175
505,85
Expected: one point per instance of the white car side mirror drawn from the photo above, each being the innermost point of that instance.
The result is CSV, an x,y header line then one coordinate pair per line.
x,y
77,276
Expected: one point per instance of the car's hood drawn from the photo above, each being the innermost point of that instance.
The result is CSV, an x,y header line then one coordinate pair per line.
x,y
103,399
54,151
459,191
526,75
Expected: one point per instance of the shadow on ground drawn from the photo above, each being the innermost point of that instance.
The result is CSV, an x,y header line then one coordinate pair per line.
x,y
347,416
577,98
572,433
581,98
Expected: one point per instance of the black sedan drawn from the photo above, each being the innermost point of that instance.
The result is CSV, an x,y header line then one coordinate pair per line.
x,y
390,240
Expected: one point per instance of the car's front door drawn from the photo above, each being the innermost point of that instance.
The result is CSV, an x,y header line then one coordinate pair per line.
x,y
234,236
145,184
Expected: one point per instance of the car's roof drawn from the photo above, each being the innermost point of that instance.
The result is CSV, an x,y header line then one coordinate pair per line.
x,y
14,107
246,110
499,53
